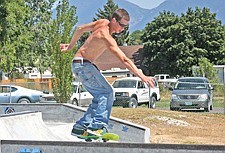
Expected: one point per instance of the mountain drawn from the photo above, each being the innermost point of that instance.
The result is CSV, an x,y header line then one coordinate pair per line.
x,y
87,9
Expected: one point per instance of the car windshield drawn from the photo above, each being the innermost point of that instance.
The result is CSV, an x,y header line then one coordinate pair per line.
x,y
191,84
125,84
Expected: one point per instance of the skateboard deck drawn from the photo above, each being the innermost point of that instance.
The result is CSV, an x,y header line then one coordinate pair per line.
x,y
105,137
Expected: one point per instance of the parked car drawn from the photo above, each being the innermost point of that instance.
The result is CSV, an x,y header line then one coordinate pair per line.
x,y
131,92
18,94
192,93
80,96
47,97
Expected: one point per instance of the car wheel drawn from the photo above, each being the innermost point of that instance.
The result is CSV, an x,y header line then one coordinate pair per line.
x,y
24,101
207,108
75,102
132,103
175,109
172,108
211,107
153,103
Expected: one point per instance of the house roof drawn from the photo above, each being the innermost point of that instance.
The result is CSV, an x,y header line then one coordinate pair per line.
x,y
107,60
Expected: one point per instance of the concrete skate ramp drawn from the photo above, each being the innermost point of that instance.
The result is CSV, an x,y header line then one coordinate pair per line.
x,y
28,126
60,118
25,130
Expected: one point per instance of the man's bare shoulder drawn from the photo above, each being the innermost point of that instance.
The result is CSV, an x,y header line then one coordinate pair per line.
x,y
100,24
103,21
102,28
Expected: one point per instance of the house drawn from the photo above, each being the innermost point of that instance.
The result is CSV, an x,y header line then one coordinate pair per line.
x,y
111,66
35,75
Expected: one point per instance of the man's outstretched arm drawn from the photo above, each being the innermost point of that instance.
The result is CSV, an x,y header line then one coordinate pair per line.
x,y
113,47
76,36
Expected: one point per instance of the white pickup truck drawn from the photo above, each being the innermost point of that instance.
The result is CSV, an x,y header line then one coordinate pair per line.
x,y
165,78
131,92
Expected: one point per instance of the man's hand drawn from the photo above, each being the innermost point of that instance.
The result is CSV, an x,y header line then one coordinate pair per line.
x,y
64,47
149,81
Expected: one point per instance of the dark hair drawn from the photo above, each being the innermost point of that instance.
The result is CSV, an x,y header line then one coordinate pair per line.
x,y
121,13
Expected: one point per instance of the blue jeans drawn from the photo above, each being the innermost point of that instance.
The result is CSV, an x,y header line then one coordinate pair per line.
x,y
98,112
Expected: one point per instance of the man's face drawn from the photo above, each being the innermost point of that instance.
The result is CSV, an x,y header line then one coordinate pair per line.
x,y
120,25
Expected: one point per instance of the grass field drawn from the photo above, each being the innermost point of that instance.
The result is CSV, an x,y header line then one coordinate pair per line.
x,y
175,127
178,127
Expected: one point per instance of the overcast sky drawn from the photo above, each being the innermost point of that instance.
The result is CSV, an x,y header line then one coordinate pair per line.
x,y
148,4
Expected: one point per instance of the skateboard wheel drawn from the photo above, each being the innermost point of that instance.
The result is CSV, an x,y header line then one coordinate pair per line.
x,y
105,140
88,140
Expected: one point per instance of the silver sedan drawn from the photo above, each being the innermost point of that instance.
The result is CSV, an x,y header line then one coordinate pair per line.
x,y
18,94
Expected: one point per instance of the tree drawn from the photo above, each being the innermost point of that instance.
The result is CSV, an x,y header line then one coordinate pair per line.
x,y
135,38
38,24
24,33
14,35
109,8
207,32
61,32
174,44
159,37
206,70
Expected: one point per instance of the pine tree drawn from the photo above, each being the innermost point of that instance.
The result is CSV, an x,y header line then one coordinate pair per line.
x,y
109,8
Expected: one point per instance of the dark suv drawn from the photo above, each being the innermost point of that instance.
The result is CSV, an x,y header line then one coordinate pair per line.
x,y
192,92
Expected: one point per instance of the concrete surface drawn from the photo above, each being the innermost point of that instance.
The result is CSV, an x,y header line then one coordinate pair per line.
x,y
30,126
42,128
13,146
64,115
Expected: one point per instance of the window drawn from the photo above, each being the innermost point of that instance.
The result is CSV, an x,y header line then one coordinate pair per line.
x,y
124,84
141,84
161,77
82,89
191,84
6,89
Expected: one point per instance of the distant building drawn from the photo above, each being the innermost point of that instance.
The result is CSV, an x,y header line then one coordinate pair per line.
x,y
220,71
110,66
117,72
35,75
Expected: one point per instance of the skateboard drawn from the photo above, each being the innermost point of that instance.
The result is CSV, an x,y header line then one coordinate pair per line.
x,y
105,137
